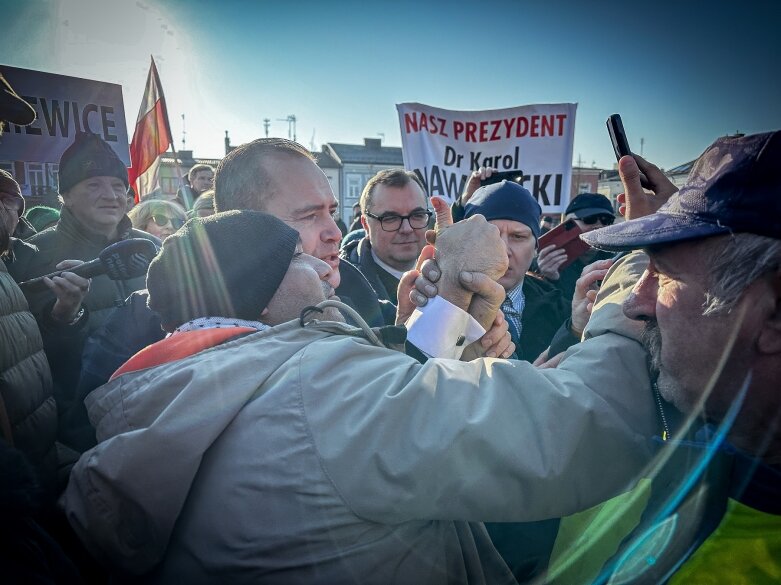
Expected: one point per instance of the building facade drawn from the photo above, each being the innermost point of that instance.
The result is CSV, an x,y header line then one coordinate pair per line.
x,y
357,164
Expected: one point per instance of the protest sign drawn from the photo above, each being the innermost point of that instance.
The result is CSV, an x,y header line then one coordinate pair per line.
x,y
64,106
444,146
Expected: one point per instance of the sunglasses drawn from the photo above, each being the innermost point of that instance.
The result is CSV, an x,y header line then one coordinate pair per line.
x,y
605,219
164,220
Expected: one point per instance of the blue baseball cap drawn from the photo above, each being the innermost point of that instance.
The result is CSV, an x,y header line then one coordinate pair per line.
x,y
735,186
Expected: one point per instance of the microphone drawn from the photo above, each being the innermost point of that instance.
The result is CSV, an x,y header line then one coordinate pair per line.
x,y
120,261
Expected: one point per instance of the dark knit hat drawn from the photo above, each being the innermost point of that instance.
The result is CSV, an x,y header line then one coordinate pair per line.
x,y
227,265
506,200
588,204
89,156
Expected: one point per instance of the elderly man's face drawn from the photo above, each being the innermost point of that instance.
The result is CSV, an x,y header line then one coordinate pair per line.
x,y
308,281
99,203
687,347
521,245
400,248
303,200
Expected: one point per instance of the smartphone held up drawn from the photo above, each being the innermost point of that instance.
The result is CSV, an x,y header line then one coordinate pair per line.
x,y
615,127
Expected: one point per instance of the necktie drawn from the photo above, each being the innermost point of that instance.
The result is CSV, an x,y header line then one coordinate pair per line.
x,y
513,322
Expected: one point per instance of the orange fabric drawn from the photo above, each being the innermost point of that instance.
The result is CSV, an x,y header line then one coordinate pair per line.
x,y
179,346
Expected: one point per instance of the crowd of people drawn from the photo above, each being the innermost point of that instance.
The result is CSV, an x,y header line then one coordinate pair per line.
x,y
427,396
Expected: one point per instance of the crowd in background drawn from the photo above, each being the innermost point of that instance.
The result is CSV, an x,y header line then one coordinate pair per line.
x,y
479,408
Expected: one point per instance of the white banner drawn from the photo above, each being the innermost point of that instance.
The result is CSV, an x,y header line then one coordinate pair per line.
x,y
444,146
64,106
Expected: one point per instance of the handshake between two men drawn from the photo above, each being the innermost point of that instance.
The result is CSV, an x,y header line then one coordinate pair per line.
x,y
480,264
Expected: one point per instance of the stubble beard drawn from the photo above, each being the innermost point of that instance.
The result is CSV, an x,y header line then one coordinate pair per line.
x,y
668,387
330,313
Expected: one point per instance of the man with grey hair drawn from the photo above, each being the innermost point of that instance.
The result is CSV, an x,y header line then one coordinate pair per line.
x,y
709,301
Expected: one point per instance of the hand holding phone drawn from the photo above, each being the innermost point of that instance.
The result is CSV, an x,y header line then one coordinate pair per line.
x,y
499,176
565,236
615,127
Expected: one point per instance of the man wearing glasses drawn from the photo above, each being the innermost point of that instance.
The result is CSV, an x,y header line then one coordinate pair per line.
x,y
590,211
395,217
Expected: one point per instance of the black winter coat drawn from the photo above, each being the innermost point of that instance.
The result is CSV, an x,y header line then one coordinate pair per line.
x,y
28,412
63,344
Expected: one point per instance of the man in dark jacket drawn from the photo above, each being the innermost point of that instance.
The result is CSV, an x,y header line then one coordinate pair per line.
x,y
28,413
93,184
533,308
395,217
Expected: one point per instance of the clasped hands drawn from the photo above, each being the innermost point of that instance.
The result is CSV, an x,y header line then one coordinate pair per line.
x,y
471,257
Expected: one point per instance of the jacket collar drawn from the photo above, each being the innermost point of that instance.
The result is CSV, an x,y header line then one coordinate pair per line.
x,y
71,227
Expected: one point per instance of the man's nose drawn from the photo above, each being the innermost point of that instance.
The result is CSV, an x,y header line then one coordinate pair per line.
x,y
406,226
640,305
506,242
331,232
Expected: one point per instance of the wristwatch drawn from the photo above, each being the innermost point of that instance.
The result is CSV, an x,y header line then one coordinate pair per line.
x,y
79,315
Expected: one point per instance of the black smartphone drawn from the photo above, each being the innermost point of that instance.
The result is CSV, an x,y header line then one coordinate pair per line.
x,y
499,176
615,127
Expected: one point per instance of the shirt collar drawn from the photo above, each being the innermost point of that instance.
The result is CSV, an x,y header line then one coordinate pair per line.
x,y
516,297
389,269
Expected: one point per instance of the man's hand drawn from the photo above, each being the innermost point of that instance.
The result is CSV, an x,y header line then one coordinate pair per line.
x,y
496,342
549,260
585,294
472,246
543,363
70,290
634,201
473,184
406,292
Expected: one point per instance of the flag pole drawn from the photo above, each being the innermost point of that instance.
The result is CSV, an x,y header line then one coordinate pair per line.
x,y
177,166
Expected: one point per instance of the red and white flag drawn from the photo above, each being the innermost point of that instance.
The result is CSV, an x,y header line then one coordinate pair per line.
x,y
151,138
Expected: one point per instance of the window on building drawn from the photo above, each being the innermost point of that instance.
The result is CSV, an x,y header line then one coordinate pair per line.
x,y
169,185
355,185
584,188
52,175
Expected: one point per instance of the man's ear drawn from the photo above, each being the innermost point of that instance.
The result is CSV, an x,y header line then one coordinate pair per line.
x,y
364,223
769,340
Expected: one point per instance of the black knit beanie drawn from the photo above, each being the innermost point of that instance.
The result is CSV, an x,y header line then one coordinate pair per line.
x,y
229,264
89,156
506,200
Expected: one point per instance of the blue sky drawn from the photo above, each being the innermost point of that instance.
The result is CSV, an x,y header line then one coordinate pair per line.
x,y
680,75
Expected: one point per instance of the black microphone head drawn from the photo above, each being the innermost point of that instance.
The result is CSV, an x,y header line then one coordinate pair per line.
x,y
128,258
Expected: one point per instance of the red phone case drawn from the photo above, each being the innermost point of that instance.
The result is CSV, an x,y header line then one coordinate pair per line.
x,y
567,237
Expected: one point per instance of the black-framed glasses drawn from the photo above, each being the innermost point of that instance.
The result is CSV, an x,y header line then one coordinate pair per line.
x,y
605,219
163,220
390,222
